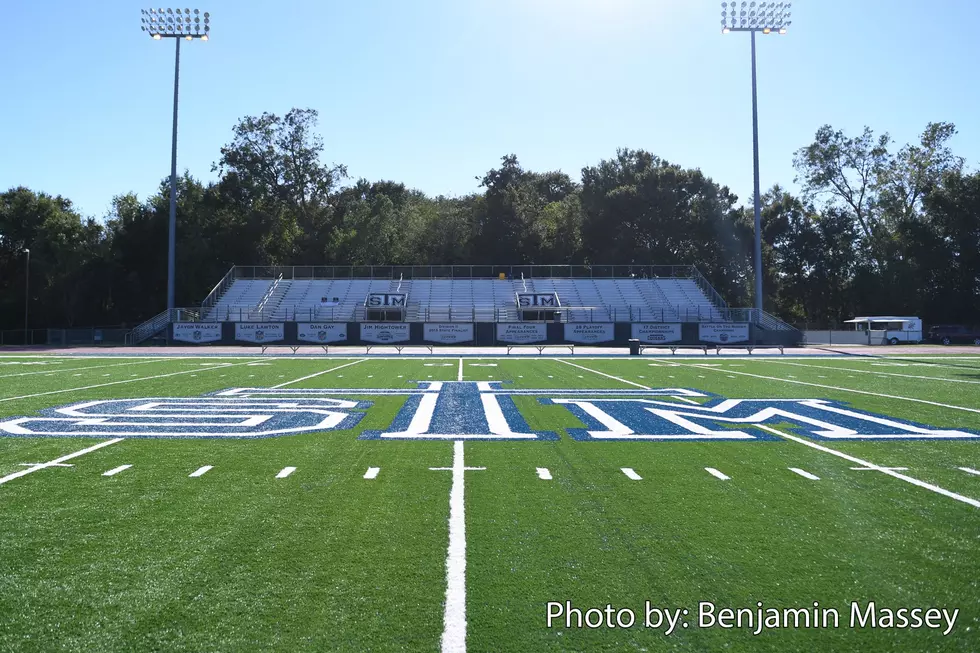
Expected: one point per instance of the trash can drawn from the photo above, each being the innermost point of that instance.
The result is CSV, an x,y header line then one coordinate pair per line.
x,y
634,346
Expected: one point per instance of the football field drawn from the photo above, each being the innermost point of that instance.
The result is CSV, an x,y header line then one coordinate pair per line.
x,y
736,503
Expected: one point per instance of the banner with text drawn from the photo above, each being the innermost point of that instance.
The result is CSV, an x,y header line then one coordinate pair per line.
x,y
384,332
723,333
520,333
588,332
447,333
657,333
197,331
321,332
259,331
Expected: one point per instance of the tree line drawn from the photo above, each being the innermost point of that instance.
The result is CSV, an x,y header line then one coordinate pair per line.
x,y
877,229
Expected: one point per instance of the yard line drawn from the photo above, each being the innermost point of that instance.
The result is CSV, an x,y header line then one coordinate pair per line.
x,y
608,376
804,473
310,376
875,469
865,463
372,472
286,471
969,470
544,474
688,400
91,367
714,472
202,471
834,387
877,373
116,470
459,377
108,383
57,461
630,474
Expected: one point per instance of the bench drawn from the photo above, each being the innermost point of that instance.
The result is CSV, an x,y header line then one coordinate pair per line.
x,y
397,347
673,348
718,348
540,348
295,348
704,348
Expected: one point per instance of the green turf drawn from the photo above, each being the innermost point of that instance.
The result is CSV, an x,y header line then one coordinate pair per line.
x,y
323,560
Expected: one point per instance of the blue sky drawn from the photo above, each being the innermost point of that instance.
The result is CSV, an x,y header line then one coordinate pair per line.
x,y
433,92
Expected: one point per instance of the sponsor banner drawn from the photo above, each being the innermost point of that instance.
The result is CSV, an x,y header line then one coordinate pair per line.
x,y
261,332
657,333
447,333
384,331
321,332
520,333
723,333
385,300
537,300
197,331
588,332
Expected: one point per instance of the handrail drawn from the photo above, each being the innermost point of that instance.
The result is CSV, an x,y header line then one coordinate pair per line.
x,y
218,289
268,294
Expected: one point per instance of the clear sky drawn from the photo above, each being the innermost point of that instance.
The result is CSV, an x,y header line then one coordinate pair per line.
x,y
433,92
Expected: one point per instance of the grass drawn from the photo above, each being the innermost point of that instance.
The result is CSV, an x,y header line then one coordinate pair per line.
x,y
150,559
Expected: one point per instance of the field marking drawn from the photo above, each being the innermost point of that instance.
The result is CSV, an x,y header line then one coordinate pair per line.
x,y
877,373
372,472
864,463
804,473
116,470
544,474
57,461
108,383
48,464
834,387
310,376
459,377
969,470
453,638
91,367
201,471
875,469
714,472
286,471
688,400
631,474
608,376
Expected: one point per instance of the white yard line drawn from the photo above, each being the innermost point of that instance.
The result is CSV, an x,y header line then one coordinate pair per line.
x,y
865,463
202,471
608,376
108,383
85,369
57,461
372,472
804,473
834,387
286,471
630,474
714,472
310,376
116,470
878,373
875,469
688,400
544,474
969,470
459,377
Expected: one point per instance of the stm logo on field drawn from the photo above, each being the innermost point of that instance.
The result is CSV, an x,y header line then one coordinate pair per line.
x,y
447,410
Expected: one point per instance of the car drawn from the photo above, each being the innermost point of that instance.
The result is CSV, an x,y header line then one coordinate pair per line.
x,y
954,334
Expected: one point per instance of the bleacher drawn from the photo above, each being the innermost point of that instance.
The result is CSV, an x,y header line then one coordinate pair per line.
x,y
627,299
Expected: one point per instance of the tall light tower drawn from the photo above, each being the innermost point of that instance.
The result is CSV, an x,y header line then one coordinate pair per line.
x,y
174,24
768,18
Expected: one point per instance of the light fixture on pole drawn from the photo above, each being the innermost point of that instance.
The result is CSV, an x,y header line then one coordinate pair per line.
x,y
176,24
768,18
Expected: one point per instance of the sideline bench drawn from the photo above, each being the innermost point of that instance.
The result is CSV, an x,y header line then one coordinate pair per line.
x,y
397,347
718,348
704,348
673,348
540,348
295,348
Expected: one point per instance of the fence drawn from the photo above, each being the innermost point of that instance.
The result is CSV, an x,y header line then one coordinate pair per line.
x,y
20,337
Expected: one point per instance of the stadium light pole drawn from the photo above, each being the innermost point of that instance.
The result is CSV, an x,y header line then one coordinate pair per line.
x,y
27,290
768,18
174,24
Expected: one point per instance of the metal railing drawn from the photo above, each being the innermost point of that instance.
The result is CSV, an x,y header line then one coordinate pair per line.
x,y
408,272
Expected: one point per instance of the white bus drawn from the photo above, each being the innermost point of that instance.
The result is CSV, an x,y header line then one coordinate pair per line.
x,y
889,329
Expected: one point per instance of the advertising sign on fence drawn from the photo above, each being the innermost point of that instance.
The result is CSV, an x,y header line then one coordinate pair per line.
x,y
321,332
521,333
588,332
447,333
197,331
260,332
723,333
656,333
384,332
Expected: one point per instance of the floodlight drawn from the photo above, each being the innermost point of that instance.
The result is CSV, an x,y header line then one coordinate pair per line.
x,y
175,22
